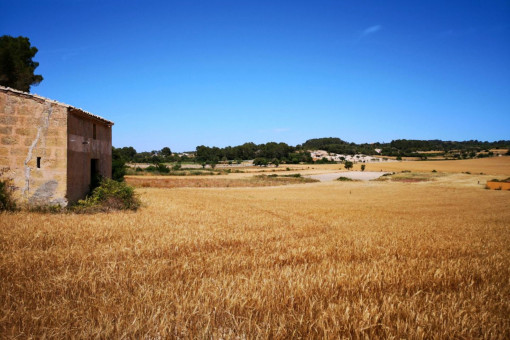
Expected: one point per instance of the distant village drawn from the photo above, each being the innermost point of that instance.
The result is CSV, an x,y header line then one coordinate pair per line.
x,y
357,158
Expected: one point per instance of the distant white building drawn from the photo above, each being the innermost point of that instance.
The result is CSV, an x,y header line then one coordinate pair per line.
x,y
358,158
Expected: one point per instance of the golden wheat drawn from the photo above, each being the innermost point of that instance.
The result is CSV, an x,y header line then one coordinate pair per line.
x,y
499,166
234,180
323,260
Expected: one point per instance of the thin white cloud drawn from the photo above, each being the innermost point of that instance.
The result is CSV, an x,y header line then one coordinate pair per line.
x,y
371,30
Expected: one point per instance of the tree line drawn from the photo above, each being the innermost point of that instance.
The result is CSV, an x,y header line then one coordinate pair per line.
x,y
272,152
266,153
463,149
278,153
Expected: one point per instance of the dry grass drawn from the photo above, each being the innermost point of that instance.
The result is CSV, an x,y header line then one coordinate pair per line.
x,y
326,260
498,185
213,181
497,166
413,177
494,166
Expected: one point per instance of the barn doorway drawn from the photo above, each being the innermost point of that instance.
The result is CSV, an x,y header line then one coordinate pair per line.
x,y
95,178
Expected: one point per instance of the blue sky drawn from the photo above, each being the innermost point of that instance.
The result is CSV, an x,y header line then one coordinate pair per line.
x,y
218,73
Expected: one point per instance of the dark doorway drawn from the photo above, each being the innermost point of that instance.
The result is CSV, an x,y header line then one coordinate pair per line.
x,y
95,178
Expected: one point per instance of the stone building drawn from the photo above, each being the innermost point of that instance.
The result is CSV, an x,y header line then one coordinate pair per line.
x,y
51,151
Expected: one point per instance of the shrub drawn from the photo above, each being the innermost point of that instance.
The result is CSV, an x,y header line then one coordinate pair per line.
x,y
118,165
293,175
363,167
344,179
260,161
434,170
109,195
161,168
47,209
7,202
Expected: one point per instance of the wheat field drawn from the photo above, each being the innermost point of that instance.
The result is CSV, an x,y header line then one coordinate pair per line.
x,y
319,260
495,166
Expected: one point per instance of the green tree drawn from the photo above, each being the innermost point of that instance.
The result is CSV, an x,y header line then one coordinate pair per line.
x,y
260,161
166,152
118,165
16,64
348,165
162,168
128,153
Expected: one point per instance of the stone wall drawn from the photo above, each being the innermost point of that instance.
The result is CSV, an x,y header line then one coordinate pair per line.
x,y
32,128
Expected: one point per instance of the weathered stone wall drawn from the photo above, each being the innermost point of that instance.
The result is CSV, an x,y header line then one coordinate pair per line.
x,y
82,148
30,128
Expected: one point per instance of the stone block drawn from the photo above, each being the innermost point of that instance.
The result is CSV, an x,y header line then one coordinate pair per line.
x,y
55,141
4,152
19,160
61,164
32,121
10,140
58,122
61,178
52,132
9,109
28,141
26,110
5,130
8,120
36,173
59,152
26,131
19,151
55,163
42,152
59,112
5,162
